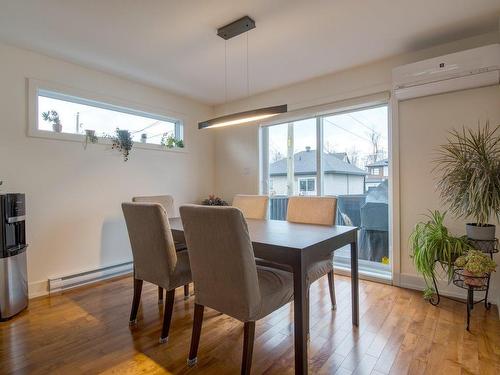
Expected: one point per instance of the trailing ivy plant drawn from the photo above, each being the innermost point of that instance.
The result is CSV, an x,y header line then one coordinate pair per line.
x,y
122,142
431,243
469,168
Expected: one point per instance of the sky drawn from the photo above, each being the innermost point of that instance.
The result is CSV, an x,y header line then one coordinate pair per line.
x,y
347,132
103,121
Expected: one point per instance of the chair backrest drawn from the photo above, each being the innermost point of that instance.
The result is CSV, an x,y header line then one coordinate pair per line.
x,y
167,201
312,210
252,206
222,260
151,239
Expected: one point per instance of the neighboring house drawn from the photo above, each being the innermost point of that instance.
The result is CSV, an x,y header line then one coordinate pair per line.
x,y
340,177
377,172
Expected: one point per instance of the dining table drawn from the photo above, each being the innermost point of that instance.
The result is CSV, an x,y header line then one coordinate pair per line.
x,y
298,246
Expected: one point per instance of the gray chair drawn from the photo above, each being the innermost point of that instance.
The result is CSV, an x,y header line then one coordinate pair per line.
x,y
155,258
225,275
252,206
167,201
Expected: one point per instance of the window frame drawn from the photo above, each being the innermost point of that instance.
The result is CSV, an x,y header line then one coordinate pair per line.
x,y
79,96
378,272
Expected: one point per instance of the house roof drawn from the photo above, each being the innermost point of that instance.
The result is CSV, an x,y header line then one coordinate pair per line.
x,y
379,163
305,164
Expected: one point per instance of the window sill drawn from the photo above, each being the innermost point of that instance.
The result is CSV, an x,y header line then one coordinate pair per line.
x,y
80,138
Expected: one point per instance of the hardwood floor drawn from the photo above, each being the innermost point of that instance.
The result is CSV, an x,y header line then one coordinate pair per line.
x,y
86,331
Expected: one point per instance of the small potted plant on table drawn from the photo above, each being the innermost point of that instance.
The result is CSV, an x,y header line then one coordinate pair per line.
x,y
213,200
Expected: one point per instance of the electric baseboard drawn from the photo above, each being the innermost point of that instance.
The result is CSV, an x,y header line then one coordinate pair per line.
x,y
62,283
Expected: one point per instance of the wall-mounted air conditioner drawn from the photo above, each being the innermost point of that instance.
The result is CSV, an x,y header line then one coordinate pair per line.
x,y
457,71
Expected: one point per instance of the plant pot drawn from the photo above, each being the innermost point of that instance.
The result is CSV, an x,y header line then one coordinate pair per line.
x,y
57,128
473,280
480,233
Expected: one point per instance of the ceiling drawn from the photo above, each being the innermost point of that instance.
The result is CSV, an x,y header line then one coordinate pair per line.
x,y
173,44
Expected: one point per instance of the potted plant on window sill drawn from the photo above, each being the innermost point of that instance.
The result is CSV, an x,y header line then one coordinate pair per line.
x,y
52,117
90,137
170,141
469,165
122,142
431,243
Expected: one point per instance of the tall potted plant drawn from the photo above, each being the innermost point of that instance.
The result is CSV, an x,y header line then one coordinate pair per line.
x,y
469,165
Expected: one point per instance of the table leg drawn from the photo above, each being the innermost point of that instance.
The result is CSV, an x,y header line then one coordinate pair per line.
x,y
301,323
354,282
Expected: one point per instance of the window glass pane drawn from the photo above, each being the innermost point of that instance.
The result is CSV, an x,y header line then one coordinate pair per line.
x,y
292,161
354,153
304,152
310,185
75,118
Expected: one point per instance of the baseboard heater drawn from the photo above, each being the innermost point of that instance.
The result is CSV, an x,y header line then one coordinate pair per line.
x,y
88,277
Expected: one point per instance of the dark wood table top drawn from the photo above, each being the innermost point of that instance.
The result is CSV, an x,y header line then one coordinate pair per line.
x,y
283,233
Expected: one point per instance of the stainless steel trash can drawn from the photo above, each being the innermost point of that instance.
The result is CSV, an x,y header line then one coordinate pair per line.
x,y
13,273
13,285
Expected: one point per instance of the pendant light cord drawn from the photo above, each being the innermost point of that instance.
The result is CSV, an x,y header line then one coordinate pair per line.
x,y
248,80
225,72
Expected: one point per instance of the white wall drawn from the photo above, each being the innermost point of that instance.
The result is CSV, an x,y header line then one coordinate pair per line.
x,y
237,148
423,126
73,196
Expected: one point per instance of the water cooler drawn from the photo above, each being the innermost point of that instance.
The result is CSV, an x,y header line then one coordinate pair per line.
x,y
13,272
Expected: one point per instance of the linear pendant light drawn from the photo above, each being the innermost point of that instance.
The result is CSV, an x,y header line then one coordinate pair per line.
x,y
229,31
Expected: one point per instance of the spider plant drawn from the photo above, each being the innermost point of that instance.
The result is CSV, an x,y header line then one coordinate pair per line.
x,y
431,243
469,168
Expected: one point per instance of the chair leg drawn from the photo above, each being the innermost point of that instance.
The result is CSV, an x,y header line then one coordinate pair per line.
x,y
195,338
160,295
136,300
167,315
331,286
186,291
248,339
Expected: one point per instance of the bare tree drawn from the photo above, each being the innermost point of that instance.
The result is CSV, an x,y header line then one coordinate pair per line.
x,y
328,148
374,137
353,155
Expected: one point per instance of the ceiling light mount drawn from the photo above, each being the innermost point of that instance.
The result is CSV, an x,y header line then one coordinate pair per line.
x,y
236,28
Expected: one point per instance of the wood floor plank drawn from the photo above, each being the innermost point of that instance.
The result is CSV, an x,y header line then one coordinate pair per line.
x,y
85,331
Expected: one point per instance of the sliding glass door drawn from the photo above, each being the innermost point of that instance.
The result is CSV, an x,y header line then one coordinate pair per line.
x,y
352,165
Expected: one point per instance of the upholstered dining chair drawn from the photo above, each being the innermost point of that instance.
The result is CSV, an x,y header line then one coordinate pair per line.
x,y
167,201
225,275
252,206
155,258
319,211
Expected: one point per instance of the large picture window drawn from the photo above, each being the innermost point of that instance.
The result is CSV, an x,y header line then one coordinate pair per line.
x,y
343,154
57,114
